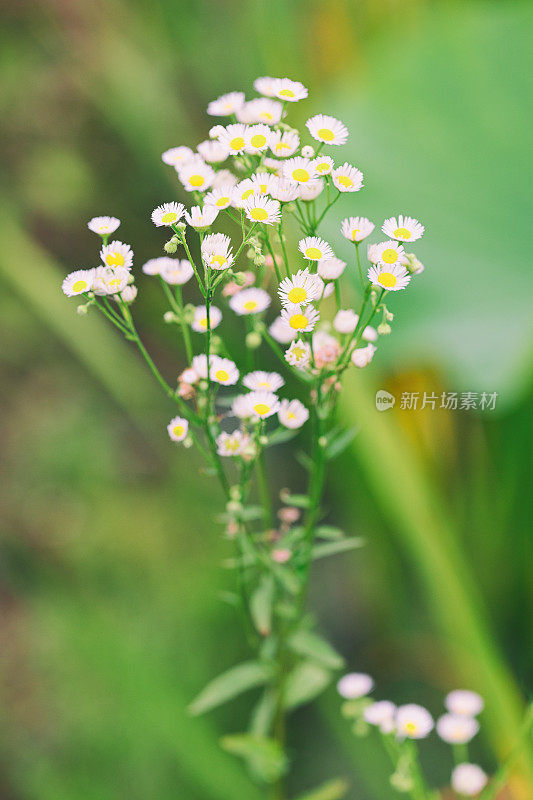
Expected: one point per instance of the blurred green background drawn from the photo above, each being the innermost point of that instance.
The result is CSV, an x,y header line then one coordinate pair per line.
x,y
110,559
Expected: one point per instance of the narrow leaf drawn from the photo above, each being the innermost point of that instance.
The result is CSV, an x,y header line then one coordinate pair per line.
x,y
305,682
263,714
236,680
307,643
340,442
261,605
330,532
298,500
265,756
282,435
332,548
332,790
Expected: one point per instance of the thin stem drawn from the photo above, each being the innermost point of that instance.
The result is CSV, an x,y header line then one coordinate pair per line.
x,y
176,304
359,265
183,239
282,243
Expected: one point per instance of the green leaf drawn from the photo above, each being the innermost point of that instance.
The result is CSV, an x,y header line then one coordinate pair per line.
x,y
339,443
332,790
330,532
304,460
263,714
265,756
332,548
305,682
281,435
298,500
307,643
261,605
236,680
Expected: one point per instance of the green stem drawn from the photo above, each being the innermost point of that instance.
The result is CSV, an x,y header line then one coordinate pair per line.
x,y
282,244
176,304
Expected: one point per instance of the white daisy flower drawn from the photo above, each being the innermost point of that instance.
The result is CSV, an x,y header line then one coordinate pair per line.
x,y
355,685
281,331
266,85
213,152
201,217
223,371
243,191
388,253
257,137
380,713
345,320
110,280
347,178
413,721
78,282
250,301
463,701
362,356
103,225
175,271
196,175
300,318
216,251
302,287
323,165
355,229
327,129
261,209
154,265
456,728
331,268
326,348
199,322
314,248
177,156
261,405
117,254
405,229
298,354
310,191
128,294
219,198
239,407
289,91
292,413
468,779
391,278
177,429
299,169
226,104
232,444
167,214
285,190
284,143
264,182
223,179
259,380
262,110
199,365
234,137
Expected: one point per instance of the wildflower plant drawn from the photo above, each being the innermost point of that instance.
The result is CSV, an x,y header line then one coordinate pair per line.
x,y
254,176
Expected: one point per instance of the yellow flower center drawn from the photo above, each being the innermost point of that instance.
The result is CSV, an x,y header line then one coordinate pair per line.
x,y
232,445
299,352
103,228
299,322
402,233
291,415
178,430
169,217
314,253
323,166
197,180
237,143
263,188
297,295
220,260
245,195
79,286
265,115
221,375
387,280
281,146
355,231
345,181
261,409
411,727
114,260
202,322
389,256
250,305
286,93
326,134
300,175
222,201
258,140
259,214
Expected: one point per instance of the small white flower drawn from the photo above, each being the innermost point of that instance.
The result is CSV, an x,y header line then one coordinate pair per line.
x,y
128,294
413,721
468,779
261,209
117,254
388,253
226,104
284,144
223,179
289,91
326,348
260,110
103,225
331,268
232,444
223,371
177,156
240,407
250,301
234,137
78,282
244,190
177,429
298,354
286,190
199,322
463,701
299,169
167,214
314,248
405,229
199,365
196,175
362,356
300,318
310,191
213,152
327,129
219,198
300,288
345,320
264,182
189,375
200,218
355,685
261,405
109,280
257,137
308,151
292,413
154,265
347,178
391,278
380,713
216,251
323,165
265,85
281,331
457,729
269,381
370,334
175,271
355,229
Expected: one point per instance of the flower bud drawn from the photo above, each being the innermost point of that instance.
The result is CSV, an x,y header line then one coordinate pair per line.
x,y
384,328
216,343
170,246
253,340
187,442
169,317
233,507
259,260
240,278
82,310
181,226
263,440
308,151
235,492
